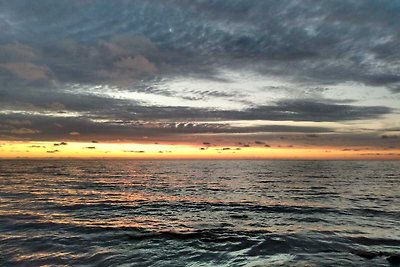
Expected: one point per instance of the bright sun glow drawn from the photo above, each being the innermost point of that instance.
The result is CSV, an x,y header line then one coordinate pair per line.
x,y
168,151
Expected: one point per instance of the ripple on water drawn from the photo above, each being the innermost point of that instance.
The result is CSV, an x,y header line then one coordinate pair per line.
x,y
198,213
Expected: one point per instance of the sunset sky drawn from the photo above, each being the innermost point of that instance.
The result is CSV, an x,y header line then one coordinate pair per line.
x,y
200,79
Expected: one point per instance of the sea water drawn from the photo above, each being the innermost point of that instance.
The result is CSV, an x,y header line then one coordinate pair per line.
x,y
199,213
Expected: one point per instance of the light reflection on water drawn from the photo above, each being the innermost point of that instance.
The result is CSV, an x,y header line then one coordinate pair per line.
x,y
182,213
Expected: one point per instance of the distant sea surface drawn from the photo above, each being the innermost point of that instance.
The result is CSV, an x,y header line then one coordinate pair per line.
x,y
199,213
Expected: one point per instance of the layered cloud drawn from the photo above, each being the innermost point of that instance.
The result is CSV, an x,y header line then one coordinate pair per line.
x,y
167,69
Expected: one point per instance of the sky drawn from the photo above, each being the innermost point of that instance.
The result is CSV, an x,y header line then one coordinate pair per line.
x,y
200,79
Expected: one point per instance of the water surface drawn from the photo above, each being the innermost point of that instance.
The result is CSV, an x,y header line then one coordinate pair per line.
x,y
198,213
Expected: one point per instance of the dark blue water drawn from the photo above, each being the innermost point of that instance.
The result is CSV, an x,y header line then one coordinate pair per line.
x,y
199,213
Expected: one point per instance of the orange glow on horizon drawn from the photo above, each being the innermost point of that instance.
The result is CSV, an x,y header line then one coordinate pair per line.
x,y
87,150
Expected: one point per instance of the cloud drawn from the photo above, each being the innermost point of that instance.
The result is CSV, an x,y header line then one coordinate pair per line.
x,y
298,110
198,38
28,71
50,99
17,122
316,111
19,131
118,59
323,43
138,63
86,129
389,136
66,67
17,52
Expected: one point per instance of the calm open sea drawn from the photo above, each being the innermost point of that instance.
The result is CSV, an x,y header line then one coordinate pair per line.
x,y
199,213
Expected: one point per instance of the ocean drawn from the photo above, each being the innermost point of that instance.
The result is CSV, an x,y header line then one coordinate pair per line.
x,y
199,213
